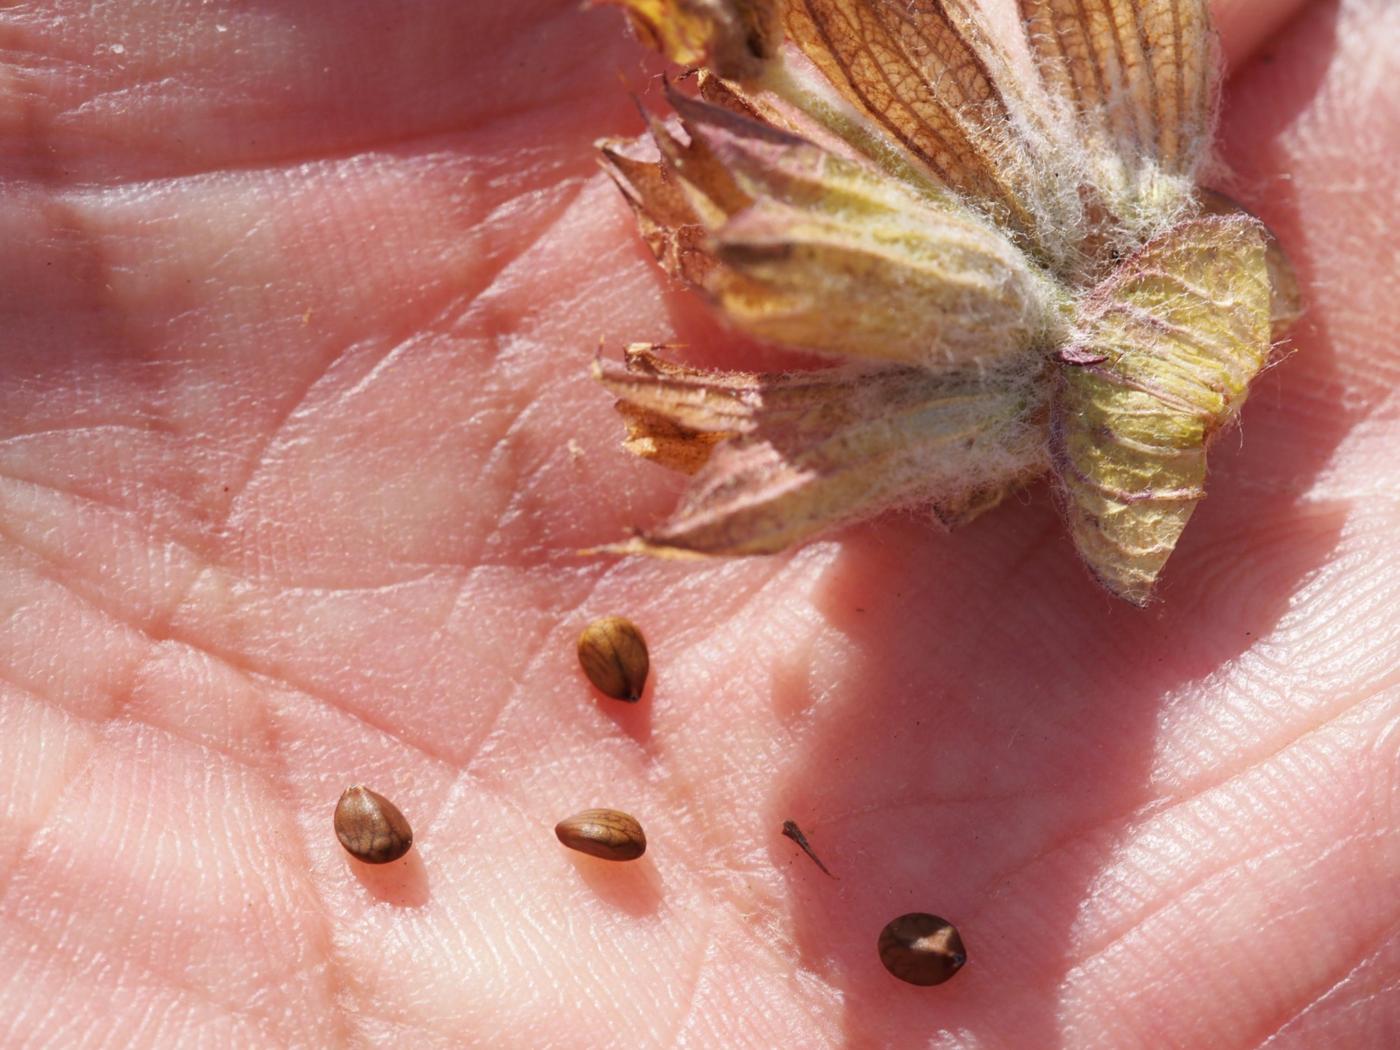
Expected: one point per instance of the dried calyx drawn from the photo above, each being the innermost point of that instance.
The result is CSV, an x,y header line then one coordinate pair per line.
x,y
1002,243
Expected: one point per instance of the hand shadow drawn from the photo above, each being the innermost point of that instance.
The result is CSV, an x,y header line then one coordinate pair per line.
x,y
1000,713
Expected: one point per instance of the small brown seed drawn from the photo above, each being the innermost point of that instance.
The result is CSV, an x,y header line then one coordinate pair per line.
x,y
614,657
921,948
607,833
370,827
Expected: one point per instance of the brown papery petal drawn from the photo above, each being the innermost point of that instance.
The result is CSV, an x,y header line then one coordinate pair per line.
x,y
1138,75
667,222
925,72
676,415
818,450
1169,347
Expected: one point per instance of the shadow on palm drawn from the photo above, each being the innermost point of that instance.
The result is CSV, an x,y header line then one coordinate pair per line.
x,y
991,731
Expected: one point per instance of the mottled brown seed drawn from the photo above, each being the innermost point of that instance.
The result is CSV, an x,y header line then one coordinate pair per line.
x,y
607,833
370,827
613,655
921,948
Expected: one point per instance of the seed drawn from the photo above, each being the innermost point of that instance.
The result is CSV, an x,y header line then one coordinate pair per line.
x,y
607,833
792,831
921,948
370,827
614,657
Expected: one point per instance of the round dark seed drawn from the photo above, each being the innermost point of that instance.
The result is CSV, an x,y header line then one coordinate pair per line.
x,y
370,827
607,833
614,656
921,948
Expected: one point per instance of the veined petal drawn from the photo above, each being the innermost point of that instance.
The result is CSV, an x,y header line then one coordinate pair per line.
x,y
1139,77
801,453
732,37
1168,347
827,253
927,74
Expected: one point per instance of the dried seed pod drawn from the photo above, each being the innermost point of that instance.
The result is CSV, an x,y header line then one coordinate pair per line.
x,y
607,833
921,948
613,655
370,827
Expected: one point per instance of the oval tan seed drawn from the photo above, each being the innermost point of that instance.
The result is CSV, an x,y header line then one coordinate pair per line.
x,y
607,833
921,948
370,827
614,656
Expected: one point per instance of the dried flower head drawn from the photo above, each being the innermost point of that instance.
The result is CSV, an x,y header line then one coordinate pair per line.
x,y
1003,240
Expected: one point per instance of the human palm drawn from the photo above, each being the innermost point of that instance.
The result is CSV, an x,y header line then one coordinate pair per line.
x,y
298,451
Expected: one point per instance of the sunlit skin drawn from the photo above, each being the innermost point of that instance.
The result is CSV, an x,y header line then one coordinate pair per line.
x,y
297,446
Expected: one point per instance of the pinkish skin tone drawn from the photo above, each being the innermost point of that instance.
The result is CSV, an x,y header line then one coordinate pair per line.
x,y
298,301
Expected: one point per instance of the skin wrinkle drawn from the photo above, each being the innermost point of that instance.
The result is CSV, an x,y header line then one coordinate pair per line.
x,y
1201,878
166,977
453,300
158,630
502,450
335,965
712,843
138,427
238,663
296,163
1194,890
260,451
26,845
338,968
1367,954
48,161
1182,894
76,496
490,289
84,599
171,977
1152,810
692,998
1298,736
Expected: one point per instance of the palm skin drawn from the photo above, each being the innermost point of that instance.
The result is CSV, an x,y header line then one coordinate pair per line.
x,y
298,448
